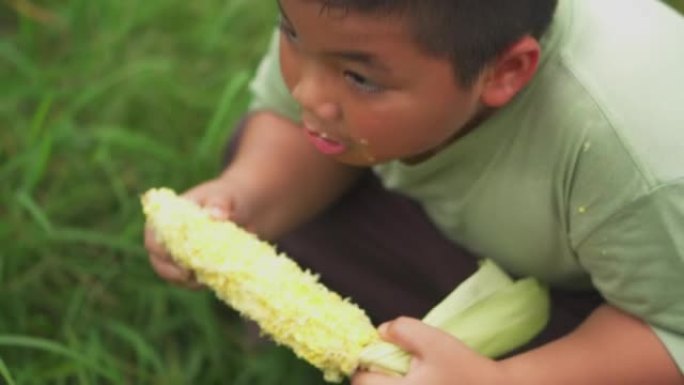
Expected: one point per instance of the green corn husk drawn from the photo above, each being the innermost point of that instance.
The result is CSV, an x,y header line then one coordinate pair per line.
x,y
489,311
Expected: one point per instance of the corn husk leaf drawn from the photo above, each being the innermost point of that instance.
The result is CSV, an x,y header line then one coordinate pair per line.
x,y
489,312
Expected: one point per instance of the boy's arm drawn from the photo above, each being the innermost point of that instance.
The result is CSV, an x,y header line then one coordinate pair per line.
x,y
275,182
280,180
610,347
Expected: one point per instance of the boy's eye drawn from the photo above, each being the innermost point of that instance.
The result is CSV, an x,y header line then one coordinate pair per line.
x,y
361,82
287,30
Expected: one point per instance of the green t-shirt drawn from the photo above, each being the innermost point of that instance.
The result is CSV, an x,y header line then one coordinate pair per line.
x,y
580,180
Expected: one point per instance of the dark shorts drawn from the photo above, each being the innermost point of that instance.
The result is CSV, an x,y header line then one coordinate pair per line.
x,y
380,249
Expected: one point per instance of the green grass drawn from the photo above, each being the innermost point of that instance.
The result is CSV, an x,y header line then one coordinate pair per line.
x,y
100,100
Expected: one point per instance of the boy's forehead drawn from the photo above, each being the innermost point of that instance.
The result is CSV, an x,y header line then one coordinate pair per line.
x,y
381,41
371,7
348,24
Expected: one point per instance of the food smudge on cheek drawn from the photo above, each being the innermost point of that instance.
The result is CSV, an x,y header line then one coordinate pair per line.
x,y
365,149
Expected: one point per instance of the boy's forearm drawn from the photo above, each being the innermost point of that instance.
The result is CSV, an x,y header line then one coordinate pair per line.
x,y
283,178
610,347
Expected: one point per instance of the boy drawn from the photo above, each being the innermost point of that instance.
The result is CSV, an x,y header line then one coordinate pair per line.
x,y
552,147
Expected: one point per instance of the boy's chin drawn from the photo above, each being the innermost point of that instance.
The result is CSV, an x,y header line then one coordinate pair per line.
x,y
358,160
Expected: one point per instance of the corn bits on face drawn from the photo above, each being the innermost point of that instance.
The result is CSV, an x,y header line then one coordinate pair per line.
x,y
289,304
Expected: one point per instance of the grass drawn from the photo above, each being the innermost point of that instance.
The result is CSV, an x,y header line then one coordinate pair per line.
x,y
98,102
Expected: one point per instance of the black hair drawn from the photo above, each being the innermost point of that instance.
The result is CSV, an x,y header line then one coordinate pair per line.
x,y
471,33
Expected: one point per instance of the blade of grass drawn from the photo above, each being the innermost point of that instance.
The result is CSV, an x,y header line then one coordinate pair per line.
x,y
22,64
13,164
25,277
74,235
91,345
134,141
3,261
214,132
94,238
144,351
56,373
230,11
104,159
48,346
72,312
34,173
38,121
194,364
67,373
36,212
31,154
5,372
101,87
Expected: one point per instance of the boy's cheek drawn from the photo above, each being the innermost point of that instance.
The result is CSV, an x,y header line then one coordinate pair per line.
x,y
288,67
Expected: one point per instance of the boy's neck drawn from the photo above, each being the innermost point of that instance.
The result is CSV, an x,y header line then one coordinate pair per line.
x,y
483,114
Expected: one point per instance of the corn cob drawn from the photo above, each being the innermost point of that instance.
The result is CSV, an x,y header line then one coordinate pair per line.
x,y
288,303
489,311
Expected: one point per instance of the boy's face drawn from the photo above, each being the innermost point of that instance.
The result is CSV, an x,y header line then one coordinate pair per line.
x,y
367,91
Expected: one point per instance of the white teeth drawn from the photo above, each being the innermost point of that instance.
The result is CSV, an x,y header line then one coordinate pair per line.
x,y
324,135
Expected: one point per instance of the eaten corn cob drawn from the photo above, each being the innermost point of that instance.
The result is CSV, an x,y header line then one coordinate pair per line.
x,y
288,304
489,312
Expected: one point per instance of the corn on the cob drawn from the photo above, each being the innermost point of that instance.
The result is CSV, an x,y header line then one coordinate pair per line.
x,y
288,304
490,312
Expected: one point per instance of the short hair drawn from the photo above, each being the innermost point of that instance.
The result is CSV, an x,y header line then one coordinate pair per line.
x,y
471,33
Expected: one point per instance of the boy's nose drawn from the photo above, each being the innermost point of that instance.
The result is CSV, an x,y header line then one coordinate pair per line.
x,y
316,98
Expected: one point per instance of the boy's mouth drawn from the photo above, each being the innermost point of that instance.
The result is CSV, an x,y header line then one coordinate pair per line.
x,y
324,143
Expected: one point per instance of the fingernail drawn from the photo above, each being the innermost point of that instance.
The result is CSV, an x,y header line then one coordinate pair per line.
x,y
216,212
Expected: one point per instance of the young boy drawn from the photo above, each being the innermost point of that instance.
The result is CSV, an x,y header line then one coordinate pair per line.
x,y
544,136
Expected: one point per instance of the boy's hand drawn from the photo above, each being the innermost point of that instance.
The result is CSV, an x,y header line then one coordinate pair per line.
x,y
438,358
215,196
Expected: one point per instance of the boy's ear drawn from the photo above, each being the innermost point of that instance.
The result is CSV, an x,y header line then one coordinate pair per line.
x,y
510,72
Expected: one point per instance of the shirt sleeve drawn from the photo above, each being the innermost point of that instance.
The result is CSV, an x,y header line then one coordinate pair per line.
x,y
636,260
268,88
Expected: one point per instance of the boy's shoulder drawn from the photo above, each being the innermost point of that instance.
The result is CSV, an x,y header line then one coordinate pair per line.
x,y
617,72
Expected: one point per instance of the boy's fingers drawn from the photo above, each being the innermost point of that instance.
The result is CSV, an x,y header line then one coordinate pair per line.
x,y
152,246
217,206
168,270
189,281
192,283
370,378
412,335
173,273
163,264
